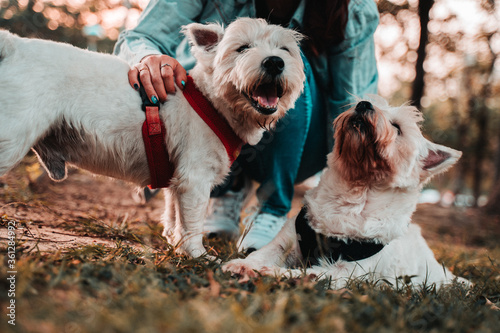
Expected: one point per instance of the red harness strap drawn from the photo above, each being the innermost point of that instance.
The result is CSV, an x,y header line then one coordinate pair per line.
x,y
161,168
213,119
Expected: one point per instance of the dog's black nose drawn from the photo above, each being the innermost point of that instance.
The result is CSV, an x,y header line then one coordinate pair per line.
x,y
364,106
273,65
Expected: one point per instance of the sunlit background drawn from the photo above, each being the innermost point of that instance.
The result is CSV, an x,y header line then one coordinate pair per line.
x,y
461,71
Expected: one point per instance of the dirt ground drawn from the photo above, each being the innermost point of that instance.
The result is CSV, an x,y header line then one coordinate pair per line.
x,y
136,283
45,208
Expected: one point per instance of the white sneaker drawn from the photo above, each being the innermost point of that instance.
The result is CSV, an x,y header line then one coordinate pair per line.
x,y
260,229
225,217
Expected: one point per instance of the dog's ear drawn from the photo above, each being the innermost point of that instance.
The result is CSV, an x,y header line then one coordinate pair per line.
x,y
438,159
204,36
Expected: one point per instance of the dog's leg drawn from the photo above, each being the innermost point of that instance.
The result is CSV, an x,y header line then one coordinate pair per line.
x,y
193,209
53,161
191,198
281,252
169,215
20,129
12,150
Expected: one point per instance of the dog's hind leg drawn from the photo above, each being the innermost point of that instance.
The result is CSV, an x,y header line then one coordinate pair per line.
x,y
11,153
18,134
53,161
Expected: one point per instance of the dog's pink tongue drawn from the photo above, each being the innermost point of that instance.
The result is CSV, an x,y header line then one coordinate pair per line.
x,y
268,101
266,97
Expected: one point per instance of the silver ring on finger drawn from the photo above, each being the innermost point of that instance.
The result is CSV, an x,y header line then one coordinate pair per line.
x,y
161,66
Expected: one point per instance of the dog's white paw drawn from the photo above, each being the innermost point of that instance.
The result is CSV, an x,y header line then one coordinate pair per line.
x,y
241,267
464,282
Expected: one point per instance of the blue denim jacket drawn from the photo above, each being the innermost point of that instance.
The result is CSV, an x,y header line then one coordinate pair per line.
x,y
346,69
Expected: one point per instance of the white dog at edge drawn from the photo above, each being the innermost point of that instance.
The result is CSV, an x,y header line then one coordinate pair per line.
x,y
75,106
363,203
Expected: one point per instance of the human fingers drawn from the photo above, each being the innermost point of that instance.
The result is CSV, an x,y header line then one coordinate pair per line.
x,y
153,63
133,77
173,74
180,75
140,75
145,77
167,74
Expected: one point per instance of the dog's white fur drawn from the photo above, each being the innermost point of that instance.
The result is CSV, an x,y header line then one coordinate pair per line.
x,y
368,192
75,106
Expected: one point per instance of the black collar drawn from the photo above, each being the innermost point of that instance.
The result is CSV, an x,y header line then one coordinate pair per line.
x,y
314,245
145,100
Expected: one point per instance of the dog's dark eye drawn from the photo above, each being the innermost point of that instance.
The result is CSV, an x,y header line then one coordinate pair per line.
x,y
243,48
397,127
285,49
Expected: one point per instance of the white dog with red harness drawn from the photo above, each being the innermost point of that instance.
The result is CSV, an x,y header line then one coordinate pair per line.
x,y
75,106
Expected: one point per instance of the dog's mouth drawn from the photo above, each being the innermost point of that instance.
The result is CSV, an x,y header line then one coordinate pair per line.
x,y
265,97
359,124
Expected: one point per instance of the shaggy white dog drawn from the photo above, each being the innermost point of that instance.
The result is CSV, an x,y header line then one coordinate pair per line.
x,y
356,223
75,106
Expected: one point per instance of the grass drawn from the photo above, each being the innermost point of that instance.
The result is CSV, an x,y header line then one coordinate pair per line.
x,y
136,283
143,288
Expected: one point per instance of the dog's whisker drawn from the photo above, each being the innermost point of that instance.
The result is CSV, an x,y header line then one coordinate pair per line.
x,y
271,125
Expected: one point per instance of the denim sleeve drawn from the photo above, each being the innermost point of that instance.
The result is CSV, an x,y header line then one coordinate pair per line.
x,y
158,29
352,67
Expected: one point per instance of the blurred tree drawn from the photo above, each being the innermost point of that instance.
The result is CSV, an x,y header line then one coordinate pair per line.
x,y
64,20
396,46
482,115
452,76
480,111
27,19
496,177
434,59
424,7
493,205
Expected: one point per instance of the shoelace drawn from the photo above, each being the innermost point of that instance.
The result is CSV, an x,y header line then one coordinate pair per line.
x,y
251,214
259,221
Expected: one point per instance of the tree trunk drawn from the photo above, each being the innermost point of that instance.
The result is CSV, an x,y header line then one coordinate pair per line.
x,y
493,206
486,91
463,166
424,6
497,160
481,146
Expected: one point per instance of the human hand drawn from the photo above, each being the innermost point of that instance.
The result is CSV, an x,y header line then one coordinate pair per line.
x,y
158,74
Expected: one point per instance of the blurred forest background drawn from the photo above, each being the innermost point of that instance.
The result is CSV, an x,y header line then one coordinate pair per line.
x,y
443,55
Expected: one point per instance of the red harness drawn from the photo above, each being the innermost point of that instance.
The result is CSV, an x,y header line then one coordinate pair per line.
x,y
161,169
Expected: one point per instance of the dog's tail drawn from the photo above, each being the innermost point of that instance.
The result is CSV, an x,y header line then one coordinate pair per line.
x,y
6,44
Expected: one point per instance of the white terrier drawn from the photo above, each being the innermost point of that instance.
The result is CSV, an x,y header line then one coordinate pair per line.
x,y
75,106
356,223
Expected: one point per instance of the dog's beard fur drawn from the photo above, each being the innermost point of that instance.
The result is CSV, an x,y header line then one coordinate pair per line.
x,y
361,147
234,74
385,147
244,111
